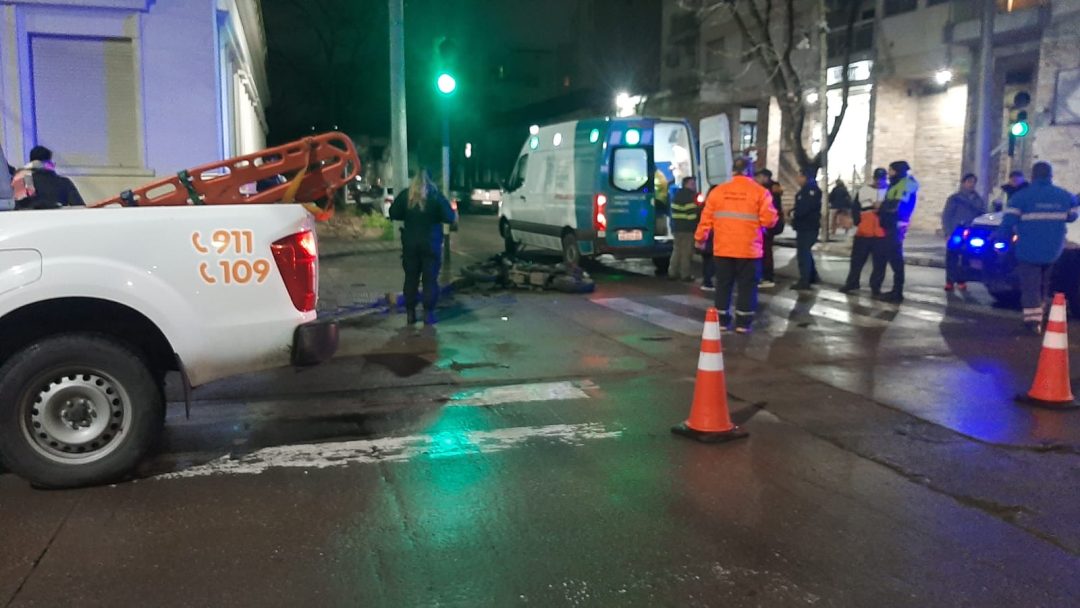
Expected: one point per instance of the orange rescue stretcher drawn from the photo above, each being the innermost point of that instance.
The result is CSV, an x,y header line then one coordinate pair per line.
x,y
306,171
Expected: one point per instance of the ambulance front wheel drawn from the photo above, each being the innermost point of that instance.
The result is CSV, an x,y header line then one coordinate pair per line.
x,y
510,246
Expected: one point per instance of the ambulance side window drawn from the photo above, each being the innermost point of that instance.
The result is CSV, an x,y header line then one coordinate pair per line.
x,y
630,169
517,177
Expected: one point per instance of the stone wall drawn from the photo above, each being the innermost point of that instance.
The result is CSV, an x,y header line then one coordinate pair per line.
x,y
1058,144
927,130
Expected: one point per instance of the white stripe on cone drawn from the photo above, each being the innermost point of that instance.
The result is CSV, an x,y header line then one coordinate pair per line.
x,y
711,331
1057,313
710,362
1056,341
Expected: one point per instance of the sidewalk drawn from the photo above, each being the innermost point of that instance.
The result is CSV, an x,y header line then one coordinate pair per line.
x,y
920,249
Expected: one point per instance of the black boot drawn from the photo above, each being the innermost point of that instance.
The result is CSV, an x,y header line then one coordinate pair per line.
x,y
429,318
410,316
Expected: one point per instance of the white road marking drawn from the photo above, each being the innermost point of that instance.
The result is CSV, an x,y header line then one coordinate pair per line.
x,y
910,312
817,310
831,313
653,315
446,444
518,393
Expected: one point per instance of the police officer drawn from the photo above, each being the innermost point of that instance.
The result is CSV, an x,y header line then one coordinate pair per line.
x,y
1037,214
737,213
424,210
895,215
806,220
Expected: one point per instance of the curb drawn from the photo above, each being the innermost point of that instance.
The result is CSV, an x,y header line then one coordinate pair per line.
x,y
359,248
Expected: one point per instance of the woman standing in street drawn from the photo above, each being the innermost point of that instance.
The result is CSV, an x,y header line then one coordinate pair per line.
x,y
424,210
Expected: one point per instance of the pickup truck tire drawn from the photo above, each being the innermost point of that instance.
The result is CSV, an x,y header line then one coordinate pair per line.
x,y
77,409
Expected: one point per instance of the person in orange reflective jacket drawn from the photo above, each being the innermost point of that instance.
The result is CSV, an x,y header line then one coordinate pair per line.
x,y
737,214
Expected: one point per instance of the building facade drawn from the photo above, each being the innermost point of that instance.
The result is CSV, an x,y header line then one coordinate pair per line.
x,y
912,64
124,91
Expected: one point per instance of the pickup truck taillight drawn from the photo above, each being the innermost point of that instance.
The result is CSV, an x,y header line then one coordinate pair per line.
x,y
297,257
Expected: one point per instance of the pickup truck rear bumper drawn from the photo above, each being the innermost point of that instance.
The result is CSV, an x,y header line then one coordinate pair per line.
x,y
314,343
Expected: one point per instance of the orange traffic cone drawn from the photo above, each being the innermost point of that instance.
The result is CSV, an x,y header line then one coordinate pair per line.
x,y
1051,387
709,418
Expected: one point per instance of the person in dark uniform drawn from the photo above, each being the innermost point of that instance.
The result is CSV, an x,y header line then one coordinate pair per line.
x,y
424,210
806,220
768,266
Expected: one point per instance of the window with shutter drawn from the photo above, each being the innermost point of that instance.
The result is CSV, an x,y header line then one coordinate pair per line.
x,y
85,100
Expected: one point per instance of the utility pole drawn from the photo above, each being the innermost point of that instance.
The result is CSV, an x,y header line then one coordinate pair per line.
x,y
823,108
446,151
983,120
399,140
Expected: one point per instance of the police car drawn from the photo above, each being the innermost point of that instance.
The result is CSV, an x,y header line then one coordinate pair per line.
x,y
987,257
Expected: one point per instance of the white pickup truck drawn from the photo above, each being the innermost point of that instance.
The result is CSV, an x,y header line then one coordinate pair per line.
x,y
97,305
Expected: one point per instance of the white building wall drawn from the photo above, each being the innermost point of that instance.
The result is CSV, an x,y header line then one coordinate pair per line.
x,y
178,120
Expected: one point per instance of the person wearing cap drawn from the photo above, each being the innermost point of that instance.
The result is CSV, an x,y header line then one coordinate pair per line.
x,y
895,214
738,213
869,236
1016,183
961,209
806,220
1037,216
768,267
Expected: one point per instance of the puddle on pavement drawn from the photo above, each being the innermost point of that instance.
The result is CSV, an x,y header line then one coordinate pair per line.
x,y
401,364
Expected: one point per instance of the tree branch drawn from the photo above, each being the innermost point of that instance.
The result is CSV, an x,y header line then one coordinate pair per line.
x,y
849,43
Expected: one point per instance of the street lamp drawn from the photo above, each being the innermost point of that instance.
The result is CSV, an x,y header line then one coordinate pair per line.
x,y
626,104
943,76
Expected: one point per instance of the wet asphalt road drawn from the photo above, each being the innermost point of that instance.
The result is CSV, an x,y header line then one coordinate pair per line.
x,y
520,455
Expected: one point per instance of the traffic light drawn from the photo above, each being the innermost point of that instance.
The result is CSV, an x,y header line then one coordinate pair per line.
x,y
1020,126
446,58
1018,119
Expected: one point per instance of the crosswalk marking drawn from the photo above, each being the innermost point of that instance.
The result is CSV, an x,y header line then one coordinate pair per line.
x,y
833,314
652,315
918,314
855,310
517,393
825,312
447,444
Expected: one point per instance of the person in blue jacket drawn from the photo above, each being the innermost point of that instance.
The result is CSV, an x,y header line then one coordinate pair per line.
x,y
1037,216
424,210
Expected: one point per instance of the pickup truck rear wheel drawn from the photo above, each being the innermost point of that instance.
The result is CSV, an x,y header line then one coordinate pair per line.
x,y
77,409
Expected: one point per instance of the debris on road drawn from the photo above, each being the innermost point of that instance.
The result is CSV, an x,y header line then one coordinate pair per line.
x,y
502,271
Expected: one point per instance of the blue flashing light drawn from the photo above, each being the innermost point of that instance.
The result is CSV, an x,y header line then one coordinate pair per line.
x,y
956,241
977,242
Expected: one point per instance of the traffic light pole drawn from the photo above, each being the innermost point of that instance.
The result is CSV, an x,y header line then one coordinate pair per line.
x,y
982,110
446,187
399,141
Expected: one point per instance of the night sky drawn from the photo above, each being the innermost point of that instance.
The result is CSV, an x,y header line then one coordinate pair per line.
x,y
516,60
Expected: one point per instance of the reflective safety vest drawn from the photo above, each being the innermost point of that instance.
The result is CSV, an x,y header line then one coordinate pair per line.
x,y
869,226
737,213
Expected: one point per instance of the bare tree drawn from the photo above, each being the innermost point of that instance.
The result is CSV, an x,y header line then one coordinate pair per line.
x,y
772,35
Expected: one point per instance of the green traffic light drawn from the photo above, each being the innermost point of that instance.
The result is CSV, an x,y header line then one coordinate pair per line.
x,y
446,83
1019,128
